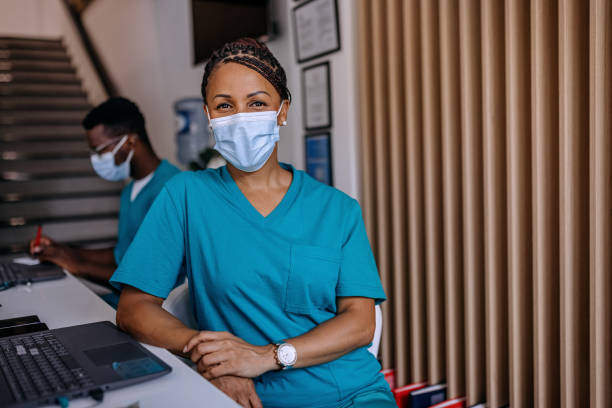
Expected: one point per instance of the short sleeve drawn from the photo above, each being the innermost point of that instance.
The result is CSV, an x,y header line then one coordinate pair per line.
x,y
154,260
358,272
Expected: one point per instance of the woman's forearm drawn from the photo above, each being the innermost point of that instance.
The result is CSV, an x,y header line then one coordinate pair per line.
x,y
142,316
351,328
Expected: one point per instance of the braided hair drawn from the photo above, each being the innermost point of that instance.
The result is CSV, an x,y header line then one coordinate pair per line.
x,y
252,54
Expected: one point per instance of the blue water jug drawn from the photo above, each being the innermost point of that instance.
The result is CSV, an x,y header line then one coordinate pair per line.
x,y
192,135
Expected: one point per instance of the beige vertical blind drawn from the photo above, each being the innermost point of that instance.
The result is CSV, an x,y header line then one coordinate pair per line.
x,y
471,146
487,194
600,192
518,176
574,187
451,169
417,367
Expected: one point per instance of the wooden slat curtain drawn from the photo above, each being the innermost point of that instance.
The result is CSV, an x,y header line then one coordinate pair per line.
x,y
486,129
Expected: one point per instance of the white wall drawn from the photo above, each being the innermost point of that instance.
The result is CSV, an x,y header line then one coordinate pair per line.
x,y
344,82
124,34
28,18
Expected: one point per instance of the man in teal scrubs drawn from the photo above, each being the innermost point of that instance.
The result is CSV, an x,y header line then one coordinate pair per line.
x,y
264,278
120,149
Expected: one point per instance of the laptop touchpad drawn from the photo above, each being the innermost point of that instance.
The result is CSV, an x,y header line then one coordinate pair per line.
x,y
116,353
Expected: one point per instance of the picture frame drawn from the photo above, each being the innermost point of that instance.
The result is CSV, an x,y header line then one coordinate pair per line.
x,y
317,98
317,148
316,29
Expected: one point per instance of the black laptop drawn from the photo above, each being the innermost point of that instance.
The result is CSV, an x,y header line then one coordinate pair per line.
x,y
12,273
49,366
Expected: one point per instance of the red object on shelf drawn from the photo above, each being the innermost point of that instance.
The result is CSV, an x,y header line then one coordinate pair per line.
x,y
389,374
402,394
451,403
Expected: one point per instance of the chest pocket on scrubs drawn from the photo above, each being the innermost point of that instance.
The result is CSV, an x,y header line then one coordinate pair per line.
x,y
313,277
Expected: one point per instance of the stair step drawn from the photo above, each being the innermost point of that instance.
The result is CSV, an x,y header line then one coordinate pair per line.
x,y
60,187
39,55
30,43
48,133
41,150
41,89
59,208
17,237
48,103
39,77
19,117
33,65
45,169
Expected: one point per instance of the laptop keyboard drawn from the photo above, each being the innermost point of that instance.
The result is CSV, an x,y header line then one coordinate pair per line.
x,y
9,274
38,366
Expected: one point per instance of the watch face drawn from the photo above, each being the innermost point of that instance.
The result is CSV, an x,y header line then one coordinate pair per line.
x,y
287,354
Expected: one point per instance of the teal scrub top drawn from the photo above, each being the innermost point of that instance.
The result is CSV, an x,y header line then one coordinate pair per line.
x,y
132,213
264,279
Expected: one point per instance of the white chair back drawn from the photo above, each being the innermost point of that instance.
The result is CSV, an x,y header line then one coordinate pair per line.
x,y
377,332
178,303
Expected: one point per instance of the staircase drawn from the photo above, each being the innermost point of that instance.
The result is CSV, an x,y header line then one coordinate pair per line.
x,y
45,174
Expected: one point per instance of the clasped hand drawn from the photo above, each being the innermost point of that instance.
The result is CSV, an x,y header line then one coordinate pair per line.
x,y
218,354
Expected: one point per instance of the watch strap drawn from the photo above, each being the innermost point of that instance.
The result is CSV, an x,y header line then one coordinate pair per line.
x,y
276,359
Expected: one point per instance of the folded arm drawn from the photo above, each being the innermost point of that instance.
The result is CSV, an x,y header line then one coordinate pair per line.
x,y
221,353
142,315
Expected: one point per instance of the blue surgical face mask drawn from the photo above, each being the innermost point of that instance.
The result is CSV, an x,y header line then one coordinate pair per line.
x,y
246,140
104,164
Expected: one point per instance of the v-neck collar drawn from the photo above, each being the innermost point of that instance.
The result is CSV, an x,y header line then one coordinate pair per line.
x,y
153,175
280,209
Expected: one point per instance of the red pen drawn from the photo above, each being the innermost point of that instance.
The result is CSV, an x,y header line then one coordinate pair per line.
x,y
37,241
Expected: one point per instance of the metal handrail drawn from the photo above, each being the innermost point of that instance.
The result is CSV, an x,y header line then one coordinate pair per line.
x,y
107,82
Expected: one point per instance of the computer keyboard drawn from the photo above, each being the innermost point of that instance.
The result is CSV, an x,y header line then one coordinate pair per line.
x,y
9,275
38,365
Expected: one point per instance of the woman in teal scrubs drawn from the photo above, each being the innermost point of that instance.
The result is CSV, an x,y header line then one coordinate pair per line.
x,y
280,269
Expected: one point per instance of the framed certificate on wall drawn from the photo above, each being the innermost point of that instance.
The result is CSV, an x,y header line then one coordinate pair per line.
x,y
319,157
317,96
316,29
